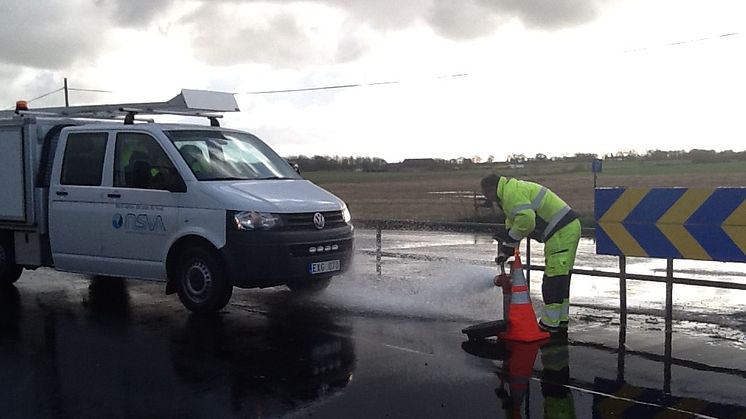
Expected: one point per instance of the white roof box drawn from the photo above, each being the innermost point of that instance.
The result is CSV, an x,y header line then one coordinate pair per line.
x,y
206,100
188,102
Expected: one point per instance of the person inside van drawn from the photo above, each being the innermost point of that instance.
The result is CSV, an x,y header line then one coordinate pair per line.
x,y
195,159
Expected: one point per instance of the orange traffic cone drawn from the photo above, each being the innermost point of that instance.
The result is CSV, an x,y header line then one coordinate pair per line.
x,y
522,326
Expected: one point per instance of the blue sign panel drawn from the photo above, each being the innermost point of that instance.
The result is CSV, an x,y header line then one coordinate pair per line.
x,y
672,223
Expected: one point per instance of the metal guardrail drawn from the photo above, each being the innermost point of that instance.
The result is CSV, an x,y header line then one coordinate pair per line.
x,y
669,279
470,227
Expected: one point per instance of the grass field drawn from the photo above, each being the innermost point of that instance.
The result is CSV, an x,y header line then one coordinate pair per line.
x,y
449,195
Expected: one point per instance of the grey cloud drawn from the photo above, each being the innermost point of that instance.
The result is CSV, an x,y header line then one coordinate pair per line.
x,y
7,72
8,94
474,18
17,86
384,14
278,41
462,20
380,14
470,18
134,13
281,42
543,14
350,48
48,34
465,18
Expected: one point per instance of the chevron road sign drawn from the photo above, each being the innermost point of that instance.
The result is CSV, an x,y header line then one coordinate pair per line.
x,y
672,223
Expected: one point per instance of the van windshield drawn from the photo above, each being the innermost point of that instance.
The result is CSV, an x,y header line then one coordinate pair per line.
x,y
227,155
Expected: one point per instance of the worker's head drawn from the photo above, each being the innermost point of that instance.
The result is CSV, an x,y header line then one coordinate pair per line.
x,y
489,187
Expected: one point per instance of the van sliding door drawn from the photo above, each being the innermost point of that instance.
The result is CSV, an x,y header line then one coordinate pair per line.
x,y
75,198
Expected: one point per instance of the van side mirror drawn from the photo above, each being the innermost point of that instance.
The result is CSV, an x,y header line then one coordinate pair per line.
x,y
294,165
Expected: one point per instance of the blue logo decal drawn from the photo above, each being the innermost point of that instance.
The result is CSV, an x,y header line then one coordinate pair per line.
x,y
117,221
140,223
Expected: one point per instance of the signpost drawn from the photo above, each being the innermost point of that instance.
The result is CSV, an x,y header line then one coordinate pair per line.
x,y
597,166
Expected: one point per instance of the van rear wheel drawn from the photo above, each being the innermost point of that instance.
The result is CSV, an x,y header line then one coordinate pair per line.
x,y
9,270
202,284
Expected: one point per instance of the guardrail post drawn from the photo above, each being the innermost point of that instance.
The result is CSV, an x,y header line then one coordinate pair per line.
x,y
623,292
622,317
378,249
528,263
669,327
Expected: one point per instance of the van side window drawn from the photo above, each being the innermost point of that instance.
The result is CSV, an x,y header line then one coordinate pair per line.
x,y
83,163
140,162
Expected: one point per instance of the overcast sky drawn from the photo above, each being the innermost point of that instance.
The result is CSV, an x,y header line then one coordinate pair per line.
x,y
537,76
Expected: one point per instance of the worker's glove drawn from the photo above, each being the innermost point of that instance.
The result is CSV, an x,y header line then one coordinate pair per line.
x,y
504,251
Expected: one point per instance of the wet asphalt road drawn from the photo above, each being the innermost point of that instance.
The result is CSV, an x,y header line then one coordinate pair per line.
x,y
79,347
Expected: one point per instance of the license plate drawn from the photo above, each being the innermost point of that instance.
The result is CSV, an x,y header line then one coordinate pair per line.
x,y
321,267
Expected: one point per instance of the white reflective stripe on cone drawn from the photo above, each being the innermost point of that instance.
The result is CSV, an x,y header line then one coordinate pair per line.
x,y
520,298
520,282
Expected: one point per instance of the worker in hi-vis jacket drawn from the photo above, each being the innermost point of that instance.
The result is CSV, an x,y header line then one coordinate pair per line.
x,y
531,210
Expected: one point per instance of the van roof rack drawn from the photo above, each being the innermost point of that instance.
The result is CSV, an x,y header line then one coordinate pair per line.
x,y
199,103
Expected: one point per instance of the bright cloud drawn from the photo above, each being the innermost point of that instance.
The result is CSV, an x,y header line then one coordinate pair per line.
x,y
543,77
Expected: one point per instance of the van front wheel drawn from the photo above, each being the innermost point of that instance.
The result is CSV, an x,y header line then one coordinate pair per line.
x,y
202,284
9,270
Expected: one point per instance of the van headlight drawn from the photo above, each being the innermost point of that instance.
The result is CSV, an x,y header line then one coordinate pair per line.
x,y
252,220
346,216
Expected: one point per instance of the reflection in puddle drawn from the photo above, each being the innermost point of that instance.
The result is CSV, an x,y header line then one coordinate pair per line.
x,y
564,379
105,355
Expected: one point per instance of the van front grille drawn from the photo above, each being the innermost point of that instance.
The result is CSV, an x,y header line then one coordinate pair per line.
x,y
304,220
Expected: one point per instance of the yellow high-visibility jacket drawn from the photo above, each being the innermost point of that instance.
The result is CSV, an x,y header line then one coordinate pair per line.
x,y
532,210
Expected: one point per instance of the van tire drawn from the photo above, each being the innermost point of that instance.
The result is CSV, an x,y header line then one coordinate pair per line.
x,y
9,270
202,284
310,285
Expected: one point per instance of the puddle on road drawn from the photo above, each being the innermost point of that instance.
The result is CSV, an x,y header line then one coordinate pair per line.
x,y
457,283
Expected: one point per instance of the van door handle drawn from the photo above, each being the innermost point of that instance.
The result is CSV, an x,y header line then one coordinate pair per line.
x,y
61,193
114,195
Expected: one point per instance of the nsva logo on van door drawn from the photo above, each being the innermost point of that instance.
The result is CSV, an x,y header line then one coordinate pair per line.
x,y
140,223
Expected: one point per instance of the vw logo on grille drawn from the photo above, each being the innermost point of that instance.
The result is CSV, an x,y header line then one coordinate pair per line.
x,y
318,220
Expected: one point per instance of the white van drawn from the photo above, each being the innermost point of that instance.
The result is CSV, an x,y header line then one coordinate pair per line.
x,y
202,207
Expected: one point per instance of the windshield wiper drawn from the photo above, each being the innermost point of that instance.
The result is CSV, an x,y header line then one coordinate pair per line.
x,y
228,178
271,178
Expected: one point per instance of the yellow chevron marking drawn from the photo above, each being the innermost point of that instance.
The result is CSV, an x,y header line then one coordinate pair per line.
x,y
671,224
622,239
689,405
738,235
735,226
626,202
737,217
614,408
687,245
611,221
685,206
